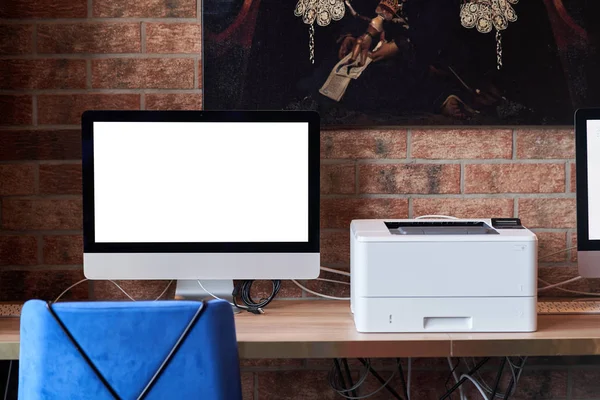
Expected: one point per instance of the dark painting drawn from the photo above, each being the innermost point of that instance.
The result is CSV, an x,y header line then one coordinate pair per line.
x,y
411,62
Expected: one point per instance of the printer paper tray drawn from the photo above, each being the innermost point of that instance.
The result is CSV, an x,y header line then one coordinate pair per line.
x,y
445,314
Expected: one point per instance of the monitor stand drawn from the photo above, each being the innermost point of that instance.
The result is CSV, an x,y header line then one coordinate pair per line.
x,y
191,290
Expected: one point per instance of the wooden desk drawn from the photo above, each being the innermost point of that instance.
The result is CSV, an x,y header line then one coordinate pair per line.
x,y
305,329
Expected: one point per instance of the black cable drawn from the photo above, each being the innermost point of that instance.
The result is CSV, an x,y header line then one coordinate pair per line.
x,y
498,377
460,382
402,379
450,375
244,288
349,376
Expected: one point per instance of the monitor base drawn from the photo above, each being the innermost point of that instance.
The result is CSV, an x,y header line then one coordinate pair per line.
x,y
191,290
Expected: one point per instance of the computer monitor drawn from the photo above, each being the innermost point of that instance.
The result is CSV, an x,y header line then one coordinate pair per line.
x,y
193,195
587,138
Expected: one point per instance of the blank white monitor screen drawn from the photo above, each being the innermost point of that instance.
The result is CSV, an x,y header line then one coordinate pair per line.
x,y
194,182
593,176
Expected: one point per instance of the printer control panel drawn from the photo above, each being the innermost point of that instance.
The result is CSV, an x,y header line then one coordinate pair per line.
x,y
440,228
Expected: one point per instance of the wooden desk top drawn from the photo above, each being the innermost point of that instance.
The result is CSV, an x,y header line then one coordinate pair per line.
x,y
305,329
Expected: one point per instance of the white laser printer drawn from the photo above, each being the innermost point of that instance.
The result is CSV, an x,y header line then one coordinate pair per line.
x,y
475,275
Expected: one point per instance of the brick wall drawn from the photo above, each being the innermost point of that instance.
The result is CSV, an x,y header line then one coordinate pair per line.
x,y
58,58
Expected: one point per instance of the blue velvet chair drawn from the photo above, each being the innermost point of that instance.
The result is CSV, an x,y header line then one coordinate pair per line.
x,y
128,350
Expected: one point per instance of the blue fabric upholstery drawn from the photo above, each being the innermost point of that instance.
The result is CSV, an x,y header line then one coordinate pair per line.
x,y
127,342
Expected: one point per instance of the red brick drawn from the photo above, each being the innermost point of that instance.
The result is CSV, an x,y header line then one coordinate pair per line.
x,y
363,144
43,9
145,8
409,178
292,385
573,244
173,38
328,288
149,73
67,108
66,249
16,39
464,208
42,284
174,101
515,178
247,386
542,384
573,178
461,143
17,179
60,178
41,214
338,179
40,145
42,74
18,250
335,247
549,243
337,213
586,383
16,110
139,290
429,385
547,213
546,143
89,38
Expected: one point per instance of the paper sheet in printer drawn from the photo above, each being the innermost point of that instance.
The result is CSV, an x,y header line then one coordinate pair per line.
x,y
440,228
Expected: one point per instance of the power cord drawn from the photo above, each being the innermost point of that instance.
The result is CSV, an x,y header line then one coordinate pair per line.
x,y
336,382
454,375
243,289
118,287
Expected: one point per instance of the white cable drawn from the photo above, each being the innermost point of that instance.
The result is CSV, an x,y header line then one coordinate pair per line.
x,y
408,374
333,281
477,385
571,291
122,290
455,376
213,296
164,291
436,216
8,380
555,285
373,392
69,288
325,296
557,252
335,271
117,285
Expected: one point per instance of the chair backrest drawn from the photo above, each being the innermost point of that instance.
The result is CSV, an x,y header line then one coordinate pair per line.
x,y
128,350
